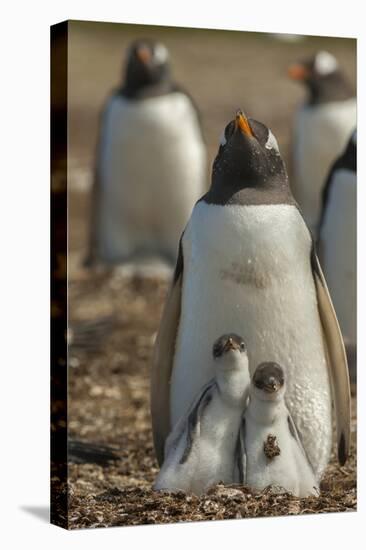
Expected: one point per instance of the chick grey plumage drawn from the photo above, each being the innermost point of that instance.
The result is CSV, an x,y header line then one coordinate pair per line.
x,y
151,162
247,263
200,450
338,244
270,452
321,129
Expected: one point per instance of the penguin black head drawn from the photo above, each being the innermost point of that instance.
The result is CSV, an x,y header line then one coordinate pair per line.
x,y
226,343
147,65
268,380
322,77
248,156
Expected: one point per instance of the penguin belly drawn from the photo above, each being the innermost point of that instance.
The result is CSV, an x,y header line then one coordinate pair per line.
x,y
289,469
212,456
152,170
339,250
321,133
247,270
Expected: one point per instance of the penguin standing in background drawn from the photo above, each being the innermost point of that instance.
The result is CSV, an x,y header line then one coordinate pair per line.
x,y
321,130
247,264
150,165
200,450
338,244
270,451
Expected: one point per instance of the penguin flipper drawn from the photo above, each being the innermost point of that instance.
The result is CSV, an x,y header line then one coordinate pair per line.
x,y
240,454
163,361
193,423
337,361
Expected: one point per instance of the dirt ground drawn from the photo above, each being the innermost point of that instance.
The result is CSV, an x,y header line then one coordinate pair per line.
x,y
114,315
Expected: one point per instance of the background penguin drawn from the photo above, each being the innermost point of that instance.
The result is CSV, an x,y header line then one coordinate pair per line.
x,y
200,451
338,244
247,263
151,162
321,130
270,451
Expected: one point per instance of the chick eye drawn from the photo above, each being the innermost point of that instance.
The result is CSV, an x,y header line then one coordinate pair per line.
x,y
242,346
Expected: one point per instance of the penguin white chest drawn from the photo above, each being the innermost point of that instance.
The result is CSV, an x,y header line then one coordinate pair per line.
x,y
247,270
152,170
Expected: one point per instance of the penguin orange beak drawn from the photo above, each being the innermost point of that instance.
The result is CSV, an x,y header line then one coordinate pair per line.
x,y
144,54
242,123
298,72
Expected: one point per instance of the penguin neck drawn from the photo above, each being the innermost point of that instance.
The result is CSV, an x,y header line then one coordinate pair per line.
x,y
264,412
233,386
333,87
250,189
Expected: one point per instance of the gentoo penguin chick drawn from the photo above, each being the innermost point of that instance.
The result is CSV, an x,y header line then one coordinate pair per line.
x,y
247,264
270,451
150,163
321,129
338,244
200,450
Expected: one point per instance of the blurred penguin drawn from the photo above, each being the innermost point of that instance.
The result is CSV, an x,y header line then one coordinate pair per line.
x,y
338,244
322,127
150,164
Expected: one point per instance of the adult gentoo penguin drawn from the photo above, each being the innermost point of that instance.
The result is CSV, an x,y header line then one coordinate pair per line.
x,y
321,129
270,451
151,162
247,264
338,244
200,450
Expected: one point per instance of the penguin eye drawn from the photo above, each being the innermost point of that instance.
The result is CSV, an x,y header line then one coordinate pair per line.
x,y
227,133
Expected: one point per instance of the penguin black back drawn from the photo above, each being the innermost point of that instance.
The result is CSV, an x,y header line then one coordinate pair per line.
x,y
346,161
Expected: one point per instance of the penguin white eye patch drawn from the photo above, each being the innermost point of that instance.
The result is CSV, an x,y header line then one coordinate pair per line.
x,y
271,142
222,138
160,53
325,63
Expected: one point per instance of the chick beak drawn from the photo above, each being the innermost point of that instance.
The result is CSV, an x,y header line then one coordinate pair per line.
x,y
229,345
298,72
272,385
242,123
144,54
